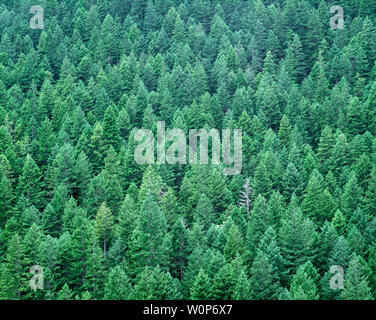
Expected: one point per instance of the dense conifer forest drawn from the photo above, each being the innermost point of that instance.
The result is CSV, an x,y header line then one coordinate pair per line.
x,y
74,202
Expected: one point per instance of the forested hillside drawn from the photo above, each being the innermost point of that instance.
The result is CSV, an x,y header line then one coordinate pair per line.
x,y
74,201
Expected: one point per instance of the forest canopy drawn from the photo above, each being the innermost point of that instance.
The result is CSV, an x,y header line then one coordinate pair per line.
x,y
74,202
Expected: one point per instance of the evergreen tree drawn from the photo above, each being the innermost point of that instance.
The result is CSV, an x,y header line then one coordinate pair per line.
x,y
14,275
117,286
264,281
30,184
303,286
65,293
356,285
149,242
104,222
295,59
351,198
201,288
296,236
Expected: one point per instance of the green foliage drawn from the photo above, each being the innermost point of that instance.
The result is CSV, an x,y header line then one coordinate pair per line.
x,y
117,286
303,286
150,243
104,222
201,288
74,201
356,284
